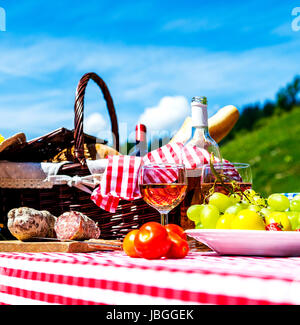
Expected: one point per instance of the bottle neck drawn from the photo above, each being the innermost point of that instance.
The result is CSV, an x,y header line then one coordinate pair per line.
x,y
200,131
199,115
141,140
140,135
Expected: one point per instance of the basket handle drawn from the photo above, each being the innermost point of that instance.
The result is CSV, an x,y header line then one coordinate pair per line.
x,y
79,107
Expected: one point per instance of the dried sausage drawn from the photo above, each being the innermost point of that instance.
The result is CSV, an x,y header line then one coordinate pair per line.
x,y
25,223
76,226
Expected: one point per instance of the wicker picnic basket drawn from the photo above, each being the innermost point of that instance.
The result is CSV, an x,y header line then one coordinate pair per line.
x,y
61,198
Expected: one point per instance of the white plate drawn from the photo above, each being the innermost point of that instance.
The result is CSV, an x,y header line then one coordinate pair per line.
x,y
249,242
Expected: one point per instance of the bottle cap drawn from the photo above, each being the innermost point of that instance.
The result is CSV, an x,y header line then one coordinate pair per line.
x,y
199,111
200,100
140,132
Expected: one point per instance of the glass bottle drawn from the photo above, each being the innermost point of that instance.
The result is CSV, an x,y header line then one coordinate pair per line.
x,y
201,138
141,145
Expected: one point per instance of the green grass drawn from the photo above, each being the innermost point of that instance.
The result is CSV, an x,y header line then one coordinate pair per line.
x,y
273,151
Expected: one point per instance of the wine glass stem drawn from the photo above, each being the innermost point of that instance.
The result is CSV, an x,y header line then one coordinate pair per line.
x,y
164,218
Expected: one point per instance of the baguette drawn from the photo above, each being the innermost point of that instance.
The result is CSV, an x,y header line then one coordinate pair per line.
x,y
91,152
219,125
13,142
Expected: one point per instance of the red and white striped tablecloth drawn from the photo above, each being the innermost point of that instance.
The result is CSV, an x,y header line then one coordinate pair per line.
x,y
112,278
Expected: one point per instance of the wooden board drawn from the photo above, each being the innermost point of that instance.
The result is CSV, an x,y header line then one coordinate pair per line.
x,y
53,246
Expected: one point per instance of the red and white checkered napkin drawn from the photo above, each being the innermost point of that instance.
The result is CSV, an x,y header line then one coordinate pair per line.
x,y
120,179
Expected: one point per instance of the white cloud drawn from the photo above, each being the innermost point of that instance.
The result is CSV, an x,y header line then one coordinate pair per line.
x,y
94,123
35,58
97,125
190,25
167,115
139,73
34,120
284,29
137,77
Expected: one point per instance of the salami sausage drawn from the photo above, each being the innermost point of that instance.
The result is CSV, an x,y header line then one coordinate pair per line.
x,y
76,226
51,222
25,223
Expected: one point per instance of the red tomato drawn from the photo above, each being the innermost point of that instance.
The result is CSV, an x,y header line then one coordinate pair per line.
x,y
179,247
128,243
177,229
152,241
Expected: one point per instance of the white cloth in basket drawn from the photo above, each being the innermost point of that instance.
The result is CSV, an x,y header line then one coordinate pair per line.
x,y
44,175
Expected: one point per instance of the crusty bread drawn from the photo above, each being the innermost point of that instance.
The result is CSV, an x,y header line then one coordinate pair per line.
x,y
91,152
222,122
14,141
219,125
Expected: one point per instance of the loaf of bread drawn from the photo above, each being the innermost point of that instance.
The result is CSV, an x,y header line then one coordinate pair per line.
x,y
219,125
25,223
222,122
91,152
13,141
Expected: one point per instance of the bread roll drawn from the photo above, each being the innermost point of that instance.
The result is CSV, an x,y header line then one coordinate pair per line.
x,y
91,152
13,142
219,125
222,122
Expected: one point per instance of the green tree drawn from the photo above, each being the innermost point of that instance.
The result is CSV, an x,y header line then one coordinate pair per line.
x,y
268,108
287,97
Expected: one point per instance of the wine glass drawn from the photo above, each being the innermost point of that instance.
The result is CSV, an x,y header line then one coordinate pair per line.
x,y
226,178
163,187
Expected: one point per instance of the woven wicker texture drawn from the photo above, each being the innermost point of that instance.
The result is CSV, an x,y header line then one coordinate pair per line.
x,y
61,198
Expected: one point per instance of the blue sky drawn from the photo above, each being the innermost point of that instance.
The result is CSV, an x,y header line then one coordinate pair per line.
x,y
153,55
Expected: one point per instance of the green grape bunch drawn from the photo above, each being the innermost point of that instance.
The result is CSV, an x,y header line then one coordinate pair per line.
x,y
250,211
244,209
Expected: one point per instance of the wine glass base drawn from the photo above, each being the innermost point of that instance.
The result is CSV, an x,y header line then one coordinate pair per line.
x,y
164,220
